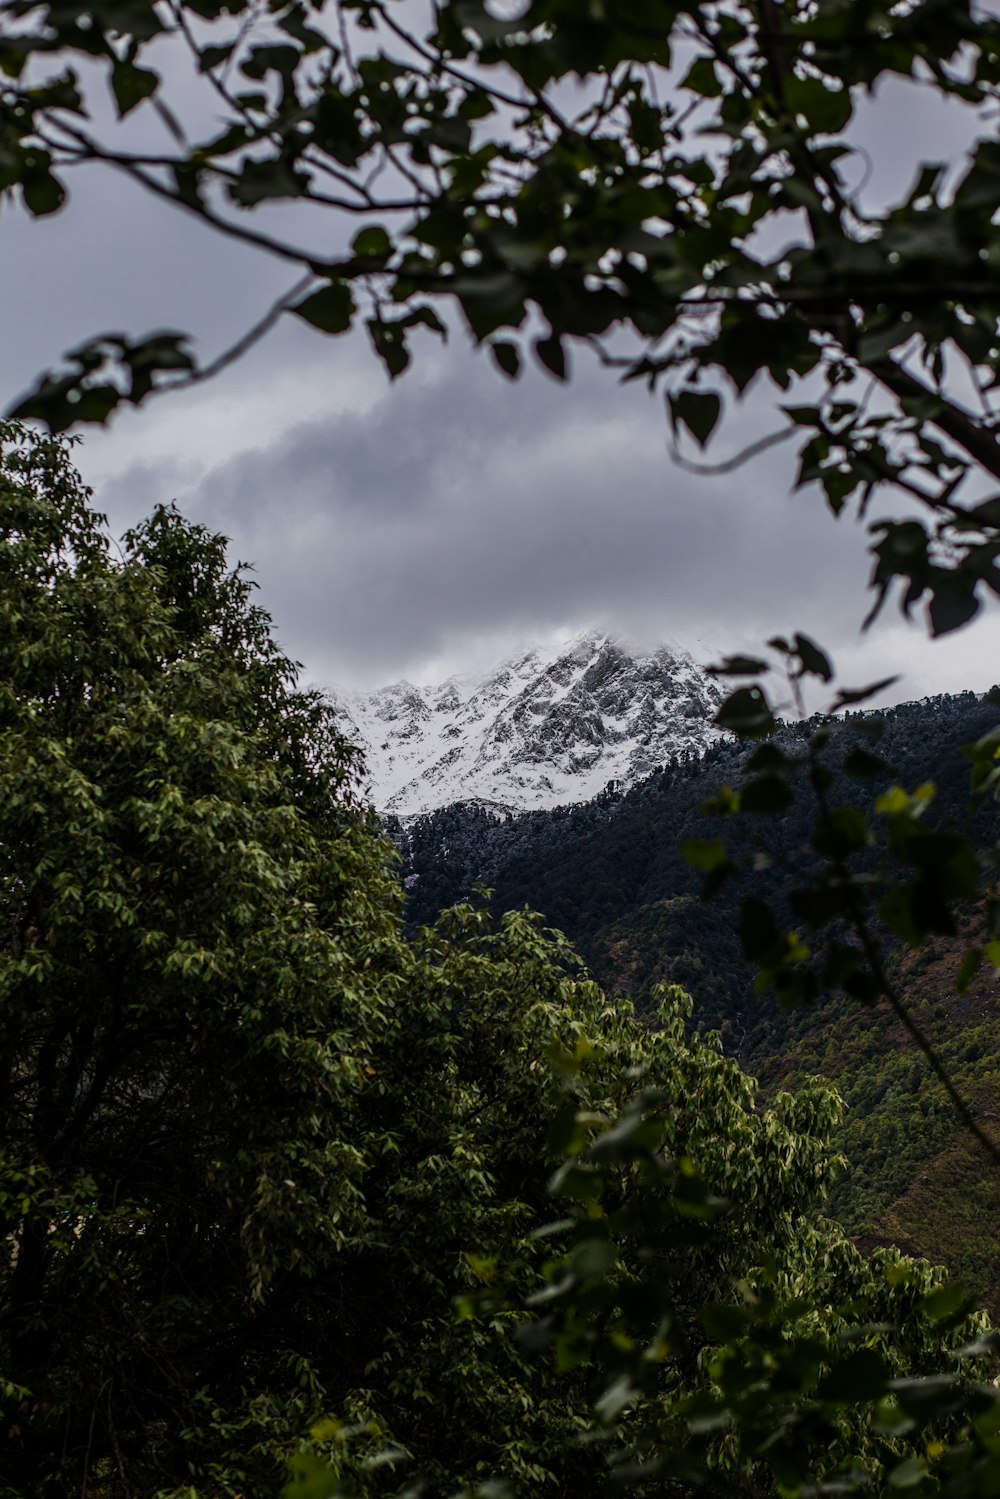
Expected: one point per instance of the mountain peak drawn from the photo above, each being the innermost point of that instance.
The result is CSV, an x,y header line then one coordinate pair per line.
x,y
547,727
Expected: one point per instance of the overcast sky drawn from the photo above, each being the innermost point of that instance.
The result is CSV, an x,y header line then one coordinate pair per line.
x,y
432,526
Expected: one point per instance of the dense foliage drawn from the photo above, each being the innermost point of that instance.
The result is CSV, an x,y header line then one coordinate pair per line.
x,y
247,1133
191,898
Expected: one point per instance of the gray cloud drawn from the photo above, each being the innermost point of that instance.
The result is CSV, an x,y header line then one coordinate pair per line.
x,y
452,513
423,526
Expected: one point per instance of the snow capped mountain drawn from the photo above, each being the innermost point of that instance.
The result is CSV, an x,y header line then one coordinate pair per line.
x,y
546,728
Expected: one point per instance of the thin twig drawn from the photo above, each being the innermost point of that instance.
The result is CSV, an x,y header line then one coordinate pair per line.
x,y
873,957
729,465
244,343
979,442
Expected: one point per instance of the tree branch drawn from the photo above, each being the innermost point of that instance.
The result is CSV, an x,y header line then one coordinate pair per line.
x,y
980,444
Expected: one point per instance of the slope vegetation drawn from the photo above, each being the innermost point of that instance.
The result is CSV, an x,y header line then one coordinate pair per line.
x,y
610,875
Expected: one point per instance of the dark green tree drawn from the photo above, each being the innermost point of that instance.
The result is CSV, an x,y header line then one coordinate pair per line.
x,y
200,950
248,1134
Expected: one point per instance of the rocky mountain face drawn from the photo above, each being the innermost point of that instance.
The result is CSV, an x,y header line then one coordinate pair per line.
x,y
547,728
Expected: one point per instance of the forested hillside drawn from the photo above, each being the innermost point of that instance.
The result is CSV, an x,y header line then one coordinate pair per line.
x,y
611,875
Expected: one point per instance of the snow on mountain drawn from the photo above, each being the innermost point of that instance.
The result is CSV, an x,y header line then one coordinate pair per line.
x,y
546,728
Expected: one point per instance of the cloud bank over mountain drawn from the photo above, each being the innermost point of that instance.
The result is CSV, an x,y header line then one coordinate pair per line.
x,y
438,524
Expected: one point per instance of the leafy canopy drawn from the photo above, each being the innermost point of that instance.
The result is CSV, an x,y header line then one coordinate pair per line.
x,y
680,187
191,895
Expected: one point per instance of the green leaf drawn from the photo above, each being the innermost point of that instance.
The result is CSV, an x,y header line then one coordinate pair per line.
x,y
759,932
701,78
312,1477
271,57
747,713
270,178
724,1323
551,355
131,85
803,416
902,914
371,243
43,193
945,1301
970,965
768,759
953,604
698,411
825,110
491,302
814,661
330,309
704,853
507,357
738,666
389,343
724,803
907,1474
766,794
862,1376
212,57
849,697
893,802
575,1181
861,764
840,832
593,1259
424,316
